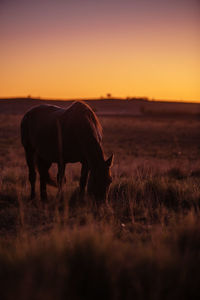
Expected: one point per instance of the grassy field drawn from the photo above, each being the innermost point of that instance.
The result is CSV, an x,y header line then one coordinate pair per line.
x,y
143,244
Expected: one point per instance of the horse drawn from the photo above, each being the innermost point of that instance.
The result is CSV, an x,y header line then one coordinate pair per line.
x,y
51,134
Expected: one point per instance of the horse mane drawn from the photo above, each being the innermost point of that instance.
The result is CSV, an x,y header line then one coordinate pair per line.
x,y
91,116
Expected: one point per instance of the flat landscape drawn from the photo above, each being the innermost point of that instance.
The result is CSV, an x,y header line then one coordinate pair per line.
x,y
144,243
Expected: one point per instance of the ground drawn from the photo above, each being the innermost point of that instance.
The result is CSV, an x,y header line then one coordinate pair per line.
x,y
143,244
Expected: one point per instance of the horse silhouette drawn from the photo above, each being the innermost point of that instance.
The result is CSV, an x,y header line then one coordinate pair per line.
x,y
51,134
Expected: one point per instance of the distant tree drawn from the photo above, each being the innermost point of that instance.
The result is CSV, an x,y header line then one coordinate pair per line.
x,y
109,95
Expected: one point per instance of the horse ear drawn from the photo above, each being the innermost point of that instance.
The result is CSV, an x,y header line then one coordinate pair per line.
x,y
109,161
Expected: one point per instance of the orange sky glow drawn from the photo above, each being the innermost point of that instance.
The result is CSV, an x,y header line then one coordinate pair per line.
x,y
86,49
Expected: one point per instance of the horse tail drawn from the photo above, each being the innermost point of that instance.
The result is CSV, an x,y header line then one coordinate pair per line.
x,y
24,132
25,140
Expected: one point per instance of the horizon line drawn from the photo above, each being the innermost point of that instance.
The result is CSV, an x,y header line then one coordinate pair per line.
x,y
144,98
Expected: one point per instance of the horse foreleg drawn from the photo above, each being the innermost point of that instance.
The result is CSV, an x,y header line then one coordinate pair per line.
x,y
32,173
83,178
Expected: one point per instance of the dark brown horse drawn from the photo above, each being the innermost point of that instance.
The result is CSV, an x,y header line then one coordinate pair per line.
x,y
51,134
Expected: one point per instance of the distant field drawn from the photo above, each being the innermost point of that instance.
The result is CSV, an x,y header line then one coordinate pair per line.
x,y
109,107
143,244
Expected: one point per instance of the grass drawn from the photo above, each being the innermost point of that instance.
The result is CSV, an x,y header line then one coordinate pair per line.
x,y
143,244
90,262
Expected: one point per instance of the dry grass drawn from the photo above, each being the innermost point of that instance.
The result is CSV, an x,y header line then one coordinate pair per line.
x,y
143,244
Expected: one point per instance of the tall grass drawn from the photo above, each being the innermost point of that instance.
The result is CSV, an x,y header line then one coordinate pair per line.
x,y
93,262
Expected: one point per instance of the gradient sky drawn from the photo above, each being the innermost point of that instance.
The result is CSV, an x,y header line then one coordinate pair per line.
x,y
87,48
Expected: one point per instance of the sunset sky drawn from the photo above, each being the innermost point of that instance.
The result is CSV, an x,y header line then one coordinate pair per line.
x,y
87,48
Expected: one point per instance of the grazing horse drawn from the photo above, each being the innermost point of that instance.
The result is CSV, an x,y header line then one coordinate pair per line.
x,y
51,134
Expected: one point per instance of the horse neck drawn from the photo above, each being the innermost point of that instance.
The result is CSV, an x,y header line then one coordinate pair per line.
x,y
95,155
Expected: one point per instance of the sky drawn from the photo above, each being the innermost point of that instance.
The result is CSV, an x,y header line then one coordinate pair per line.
x,y
63,49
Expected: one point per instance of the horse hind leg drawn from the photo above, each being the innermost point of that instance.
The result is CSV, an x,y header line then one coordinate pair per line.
x,y
43,168
83,179
32,173
61,176
51,181
60,180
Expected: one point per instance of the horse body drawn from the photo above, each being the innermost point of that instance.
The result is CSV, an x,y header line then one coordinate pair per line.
x,y
51,134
